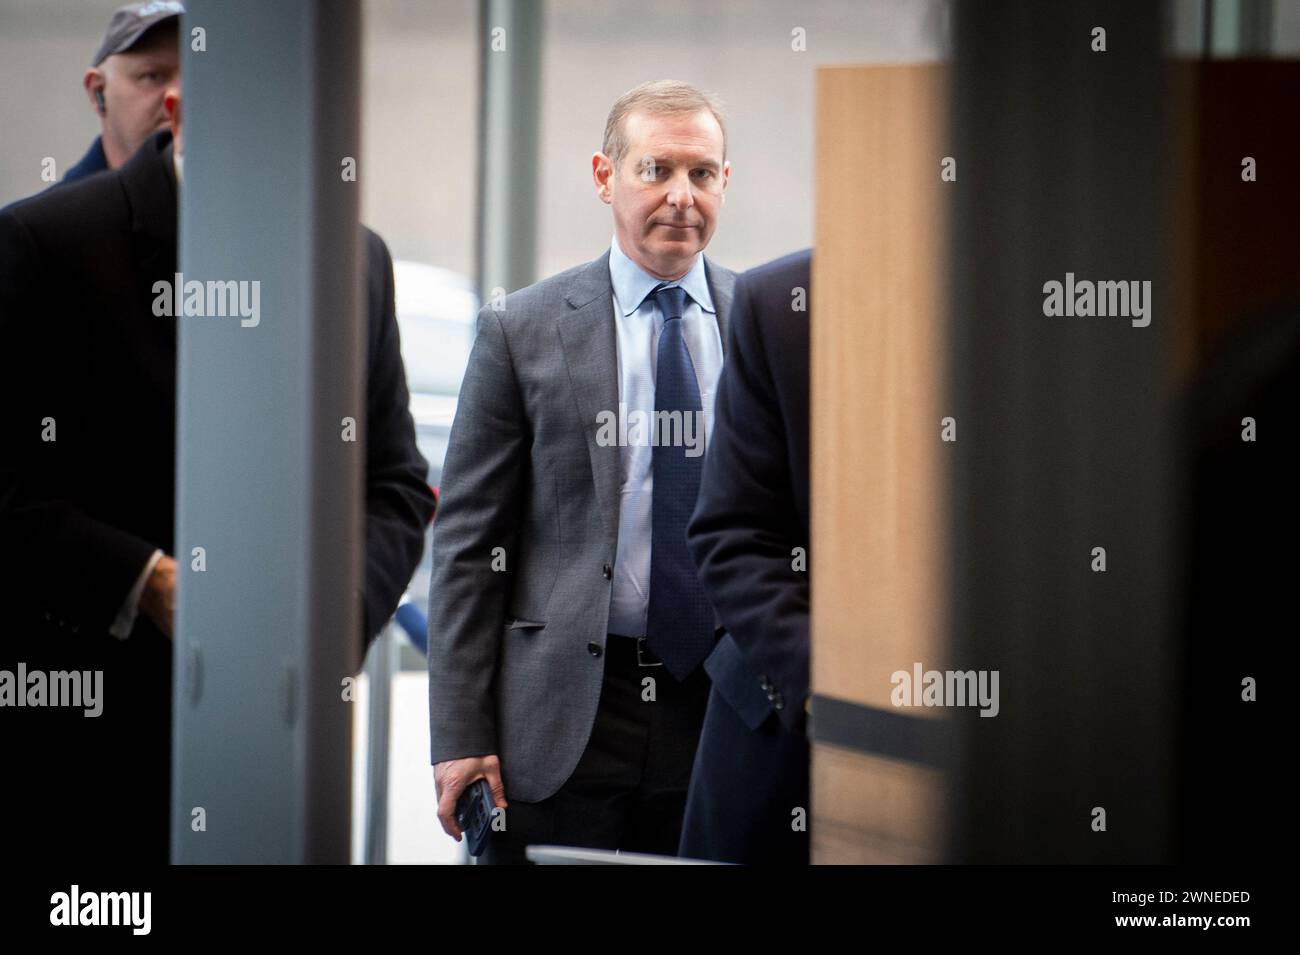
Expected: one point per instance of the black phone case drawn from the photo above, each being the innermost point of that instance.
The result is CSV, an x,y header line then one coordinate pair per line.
x,y
474,814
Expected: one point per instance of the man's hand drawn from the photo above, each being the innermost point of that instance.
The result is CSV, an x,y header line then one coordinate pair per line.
x,y
452,776
158,601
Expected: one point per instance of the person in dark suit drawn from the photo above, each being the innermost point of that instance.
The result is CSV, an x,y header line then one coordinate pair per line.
x,y
748,800
87,461
566,621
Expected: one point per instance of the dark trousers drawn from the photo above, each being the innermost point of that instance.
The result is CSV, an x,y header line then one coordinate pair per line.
x,y
628,790
746,792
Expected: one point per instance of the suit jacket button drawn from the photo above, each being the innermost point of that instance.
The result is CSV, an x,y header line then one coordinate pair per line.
x,y
779,704
594,649
607,572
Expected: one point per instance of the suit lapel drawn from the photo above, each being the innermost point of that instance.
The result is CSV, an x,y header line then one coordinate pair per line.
x,y
149,183
722,286
588,339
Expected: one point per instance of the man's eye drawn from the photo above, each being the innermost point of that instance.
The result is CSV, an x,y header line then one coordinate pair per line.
x,y
705,173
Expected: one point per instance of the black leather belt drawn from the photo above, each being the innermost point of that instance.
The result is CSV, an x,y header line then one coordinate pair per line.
x,y
644,658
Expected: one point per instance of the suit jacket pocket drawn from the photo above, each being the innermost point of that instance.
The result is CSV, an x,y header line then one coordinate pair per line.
x,y
520,624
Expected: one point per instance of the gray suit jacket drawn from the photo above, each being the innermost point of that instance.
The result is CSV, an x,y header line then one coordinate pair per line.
x,y
526,532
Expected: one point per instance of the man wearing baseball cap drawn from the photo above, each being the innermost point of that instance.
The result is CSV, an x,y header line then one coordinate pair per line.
x,y
137,61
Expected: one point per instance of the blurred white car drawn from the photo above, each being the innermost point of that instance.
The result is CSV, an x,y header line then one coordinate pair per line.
x,y
394,799
436,309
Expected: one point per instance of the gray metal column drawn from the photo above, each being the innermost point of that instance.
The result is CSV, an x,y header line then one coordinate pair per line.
x,y
267,485
510,50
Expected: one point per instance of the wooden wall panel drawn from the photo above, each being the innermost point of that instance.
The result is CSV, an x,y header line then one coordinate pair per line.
x,y
877,497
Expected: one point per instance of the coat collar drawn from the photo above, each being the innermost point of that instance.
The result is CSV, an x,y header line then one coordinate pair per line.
x,y
149,180
94,161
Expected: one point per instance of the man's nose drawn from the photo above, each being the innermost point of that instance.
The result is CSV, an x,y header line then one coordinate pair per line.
x,y
681,195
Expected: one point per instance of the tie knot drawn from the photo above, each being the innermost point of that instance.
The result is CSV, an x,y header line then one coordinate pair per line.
x,y
671,300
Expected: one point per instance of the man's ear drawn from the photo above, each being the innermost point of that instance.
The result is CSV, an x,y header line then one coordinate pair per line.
x,y
93,82
602,174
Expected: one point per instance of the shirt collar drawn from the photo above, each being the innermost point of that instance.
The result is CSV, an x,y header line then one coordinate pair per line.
x,y
632,283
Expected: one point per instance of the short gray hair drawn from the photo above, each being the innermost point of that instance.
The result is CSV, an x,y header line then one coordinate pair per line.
x,y
665,97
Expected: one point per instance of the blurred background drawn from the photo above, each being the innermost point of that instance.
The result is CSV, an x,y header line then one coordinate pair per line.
x,y
425,88
420,179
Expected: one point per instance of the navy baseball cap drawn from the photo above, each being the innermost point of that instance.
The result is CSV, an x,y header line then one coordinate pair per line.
x,y
133,21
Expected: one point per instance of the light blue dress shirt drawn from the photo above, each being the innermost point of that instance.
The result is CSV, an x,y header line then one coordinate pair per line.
x,y
638,322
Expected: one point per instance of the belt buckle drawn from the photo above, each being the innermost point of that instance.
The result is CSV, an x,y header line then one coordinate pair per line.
x,y
641,652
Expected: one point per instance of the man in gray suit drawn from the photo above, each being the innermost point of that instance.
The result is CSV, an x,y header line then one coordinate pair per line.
x,y
566,622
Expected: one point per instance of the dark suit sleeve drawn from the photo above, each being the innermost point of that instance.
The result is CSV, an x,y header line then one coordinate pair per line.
x,y
483,483
399,502
56,562
745,527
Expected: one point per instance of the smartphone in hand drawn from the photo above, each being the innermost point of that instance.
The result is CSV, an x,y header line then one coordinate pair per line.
x,y
474,814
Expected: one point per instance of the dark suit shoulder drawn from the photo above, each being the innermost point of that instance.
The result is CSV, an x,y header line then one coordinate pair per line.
x,y
375,244
776,278
770,295
378,264
381,301
82,217
88,208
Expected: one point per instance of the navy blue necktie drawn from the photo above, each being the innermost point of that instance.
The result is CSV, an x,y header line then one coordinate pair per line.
x,y
679,620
